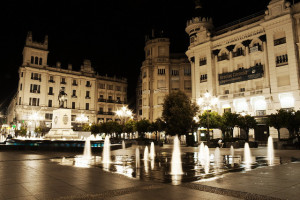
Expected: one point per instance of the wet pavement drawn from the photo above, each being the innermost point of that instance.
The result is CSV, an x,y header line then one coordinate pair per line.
x,y
31,175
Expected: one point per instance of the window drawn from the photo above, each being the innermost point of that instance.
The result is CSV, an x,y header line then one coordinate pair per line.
x,y
125,89
49,103
48,116
101,110
281,60
187,71
21,74
161,71
110,111
118,99
202,61
175,72
73,118
51,79
203,78
36,76
20,101
73,105
87,95
260,113
102,86
110,99
187,85
63,81
227,110
110,87
226,92
36,60
50,91
239,52
101,96
223,56
144,74
21,86
118,88
74,82
242,89
140,112
32,60
34,88
34,101
87,106
40,61
88,84
74,93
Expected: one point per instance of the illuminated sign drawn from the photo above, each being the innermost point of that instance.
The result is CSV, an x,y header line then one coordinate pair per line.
x,y
241,75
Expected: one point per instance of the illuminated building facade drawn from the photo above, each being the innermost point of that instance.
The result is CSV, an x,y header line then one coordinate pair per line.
x,y
161,73
39,86
252,65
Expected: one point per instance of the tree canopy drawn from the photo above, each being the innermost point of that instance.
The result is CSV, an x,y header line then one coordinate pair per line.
x,y
178,113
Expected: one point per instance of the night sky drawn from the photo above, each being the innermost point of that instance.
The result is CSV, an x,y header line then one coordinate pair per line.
x,y
111,33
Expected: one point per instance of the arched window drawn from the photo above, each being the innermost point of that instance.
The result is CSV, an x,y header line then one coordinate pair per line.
x,y
32,60
36,60
41,61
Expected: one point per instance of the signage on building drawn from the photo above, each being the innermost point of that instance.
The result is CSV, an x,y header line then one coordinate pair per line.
x,y
241,75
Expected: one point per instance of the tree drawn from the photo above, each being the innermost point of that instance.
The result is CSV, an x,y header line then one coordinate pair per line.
x,y
129,126
86,127
178,113
142,127
95,128
210,120
246,123
278,120
229,121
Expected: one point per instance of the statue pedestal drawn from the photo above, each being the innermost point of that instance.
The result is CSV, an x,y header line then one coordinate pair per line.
x,y
61,125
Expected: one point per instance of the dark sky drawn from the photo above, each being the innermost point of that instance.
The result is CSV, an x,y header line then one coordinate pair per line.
x,y
108,32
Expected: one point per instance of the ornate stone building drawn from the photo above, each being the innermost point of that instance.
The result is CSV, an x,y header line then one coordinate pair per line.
x,y
39,86
252,65
161,73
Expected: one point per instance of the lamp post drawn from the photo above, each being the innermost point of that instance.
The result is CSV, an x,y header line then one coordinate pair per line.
x,y
123,114
35,117
81,119
207,103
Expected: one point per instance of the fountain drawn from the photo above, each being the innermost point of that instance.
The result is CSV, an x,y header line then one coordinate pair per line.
x,y
137,158
217,159
232,151
201,154
87,154
106,151
176,165
123,145
206,159
247,157
270,151
146,154
152,151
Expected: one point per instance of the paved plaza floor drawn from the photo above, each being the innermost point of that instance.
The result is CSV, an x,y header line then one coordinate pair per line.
x,y
31,175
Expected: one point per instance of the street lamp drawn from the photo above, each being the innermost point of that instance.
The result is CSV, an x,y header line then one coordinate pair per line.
x,y
206,103
35,117
81,119
124,113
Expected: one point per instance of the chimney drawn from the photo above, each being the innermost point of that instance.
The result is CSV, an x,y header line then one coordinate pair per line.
x,y
70,67
58,64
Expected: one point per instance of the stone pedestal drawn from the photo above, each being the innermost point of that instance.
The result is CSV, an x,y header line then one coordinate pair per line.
x,y
61,125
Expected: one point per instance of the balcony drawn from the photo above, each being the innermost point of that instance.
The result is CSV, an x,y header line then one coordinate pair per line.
x,y
118,101
101,100
35,91
51,81
87,97
63,82
280,41
50,93
110,101
240,94
88,85
74,96
36,78
223,57
105,113
74,84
